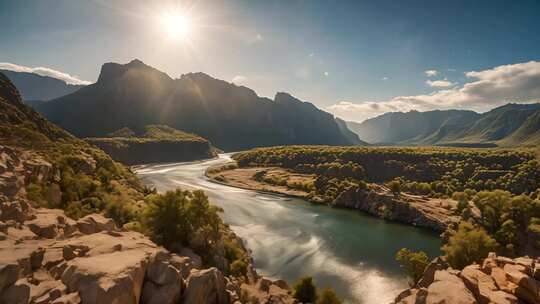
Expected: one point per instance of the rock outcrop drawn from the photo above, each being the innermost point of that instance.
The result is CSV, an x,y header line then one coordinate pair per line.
x,y
409,209
46,257
499,280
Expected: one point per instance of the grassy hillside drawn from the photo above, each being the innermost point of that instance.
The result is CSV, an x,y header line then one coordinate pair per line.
x,y
154,143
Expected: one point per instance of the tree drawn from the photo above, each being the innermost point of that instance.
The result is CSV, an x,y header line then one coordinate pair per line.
x,y
469,244
395,187
328,296
414,263
180,216
305,291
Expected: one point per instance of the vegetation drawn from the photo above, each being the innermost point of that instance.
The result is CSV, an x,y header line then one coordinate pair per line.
x,y
154,143
328,296
305,291
469,244
414,263
497,190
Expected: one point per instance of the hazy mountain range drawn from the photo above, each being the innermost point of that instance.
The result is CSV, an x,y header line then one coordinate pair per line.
x,y
231,117
508,125
35,88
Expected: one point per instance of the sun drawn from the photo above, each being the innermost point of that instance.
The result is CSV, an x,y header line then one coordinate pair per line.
x,y
176,25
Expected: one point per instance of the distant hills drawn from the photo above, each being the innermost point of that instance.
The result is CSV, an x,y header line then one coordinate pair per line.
x,y
36,88
154,144
232,117
508,125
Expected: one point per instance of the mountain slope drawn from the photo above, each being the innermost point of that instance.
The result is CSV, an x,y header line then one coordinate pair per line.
x,y
232,117
508,125
35,87
353,137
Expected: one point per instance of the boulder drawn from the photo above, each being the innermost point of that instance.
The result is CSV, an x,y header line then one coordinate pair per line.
x,y
153,293
206,286
18,293
483,286
107,278
448,289
94,223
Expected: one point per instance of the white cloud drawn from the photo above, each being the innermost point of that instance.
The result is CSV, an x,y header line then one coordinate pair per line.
x,y
326,74
445,83
239,79
43,71
384,78
431,73
487,89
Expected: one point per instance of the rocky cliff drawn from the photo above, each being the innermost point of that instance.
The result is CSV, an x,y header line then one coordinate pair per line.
x,y
46,257
498,280
435,214
154,144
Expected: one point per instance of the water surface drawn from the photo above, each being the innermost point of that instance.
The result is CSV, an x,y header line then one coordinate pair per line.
x,y
347,250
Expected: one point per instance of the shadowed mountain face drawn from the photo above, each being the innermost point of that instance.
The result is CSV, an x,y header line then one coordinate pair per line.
x,y
232,117
36,88
508,125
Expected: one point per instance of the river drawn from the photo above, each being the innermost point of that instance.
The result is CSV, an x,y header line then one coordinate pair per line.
x,y
346,250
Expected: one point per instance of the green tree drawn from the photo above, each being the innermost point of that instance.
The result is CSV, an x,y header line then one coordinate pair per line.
x,y
305,291
328,296
467,245
414,263
395,187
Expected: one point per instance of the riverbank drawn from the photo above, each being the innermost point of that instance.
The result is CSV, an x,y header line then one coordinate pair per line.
x,y
377,200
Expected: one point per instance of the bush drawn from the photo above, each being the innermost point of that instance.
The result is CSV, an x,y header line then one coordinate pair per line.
x,y
328,296
395,187
176,217
414,263
467,245
305,291
238,268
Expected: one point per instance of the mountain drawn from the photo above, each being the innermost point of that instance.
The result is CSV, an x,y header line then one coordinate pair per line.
x,y
231,117
508,125
35,88
353,137
154,144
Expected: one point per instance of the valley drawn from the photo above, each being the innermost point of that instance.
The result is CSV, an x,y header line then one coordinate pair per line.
x,y
289,237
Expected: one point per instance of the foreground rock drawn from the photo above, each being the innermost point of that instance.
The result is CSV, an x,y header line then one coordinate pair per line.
x,y
499,280
46,257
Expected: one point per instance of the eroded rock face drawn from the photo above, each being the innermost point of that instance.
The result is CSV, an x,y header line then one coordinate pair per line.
x,y
408,209
46,257
499,280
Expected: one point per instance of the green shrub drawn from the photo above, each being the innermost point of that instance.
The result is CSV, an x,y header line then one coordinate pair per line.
x,y
414,263
238,268
305,291
467,245
328,296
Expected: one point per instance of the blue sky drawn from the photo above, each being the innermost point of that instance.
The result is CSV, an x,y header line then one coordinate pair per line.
x,y
353,58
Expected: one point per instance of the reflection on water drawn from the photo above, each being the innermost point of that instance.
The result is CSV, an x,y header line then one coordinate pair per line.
x,y
349,251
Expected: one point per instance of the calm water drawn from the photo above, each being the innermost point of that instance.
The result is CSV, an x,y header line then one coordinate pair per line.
x,y
349,251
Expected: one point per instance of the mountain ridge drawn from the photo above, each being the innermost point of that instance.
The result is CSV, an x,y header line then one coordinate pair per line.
x,y
34,87
508,125
230,116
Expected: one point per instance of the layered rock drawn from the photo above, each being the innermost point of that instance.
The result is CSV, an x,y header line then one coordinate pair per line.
x,y
46,257
404,208
498,280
